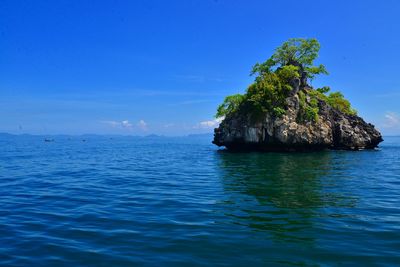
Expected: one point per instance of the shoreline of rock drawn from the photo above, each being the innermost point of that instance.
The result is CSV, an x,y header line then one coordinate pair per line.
x,y
334,130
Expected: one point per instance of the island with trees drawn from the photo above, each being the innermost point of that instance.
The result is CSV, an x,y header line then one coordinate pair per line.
x,y
280,111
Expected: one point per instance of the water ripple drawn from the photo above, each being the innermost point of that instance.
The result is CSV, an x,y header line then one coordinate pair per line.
x,y
179,201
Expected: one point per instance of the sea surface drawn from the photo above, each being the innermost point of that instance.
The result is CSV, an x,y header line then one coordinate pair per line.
x,y
136,201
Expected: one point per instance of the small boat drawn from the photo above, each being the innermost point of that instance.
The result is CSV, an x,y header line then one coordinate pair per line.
x,y
48,140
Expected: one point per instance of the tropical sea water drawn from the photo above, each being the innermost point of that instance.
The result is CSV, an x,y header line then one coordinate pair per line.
x,y
128,201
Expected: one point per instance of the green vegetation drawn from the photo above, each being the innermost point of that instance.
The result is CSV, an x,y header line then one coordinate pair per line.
x,y
337,100
296,52
231,104
308,110
290,65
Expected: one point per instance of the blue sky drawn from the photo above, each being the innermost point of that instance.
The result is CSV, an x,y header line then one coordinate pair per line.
x,y
141,67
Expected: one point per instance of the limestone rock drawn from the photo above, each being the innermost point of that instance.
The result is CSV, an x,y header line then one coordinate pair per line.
x,y
333,130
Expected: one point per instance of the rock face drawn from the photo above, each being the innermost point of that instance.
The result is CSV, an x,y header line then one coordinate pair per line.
x,y
333,130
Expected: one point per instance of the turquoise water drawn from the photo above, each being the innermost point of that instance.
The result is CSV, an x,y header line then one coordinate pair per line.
x,y
181,202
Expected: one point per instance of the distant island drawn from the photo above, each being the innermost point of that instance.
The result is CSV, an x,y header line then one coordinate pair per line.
x,y
280,111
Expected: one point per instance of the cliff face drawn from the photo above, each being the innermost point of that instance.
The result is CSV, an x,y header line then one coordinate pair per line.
x,y
332,130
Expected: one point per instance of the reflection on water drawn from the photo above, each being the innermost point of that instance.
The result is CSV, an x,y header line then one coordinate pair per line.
x,y
178,202
280,193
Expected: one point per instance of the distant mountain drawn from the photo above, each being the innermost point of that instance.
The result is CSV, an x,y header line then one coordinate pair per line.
x,y
154,136
6,135
205,135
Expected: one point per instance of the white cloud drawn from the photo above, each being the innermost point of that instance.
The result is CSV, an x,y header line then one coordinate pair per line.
x,y
191,78
208,124
125,124
111,123
169,125
194,101
392,120
142,125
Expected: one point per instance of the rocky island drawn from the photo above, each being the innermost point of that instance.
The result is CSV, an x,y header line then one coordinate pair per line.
x,y
280,111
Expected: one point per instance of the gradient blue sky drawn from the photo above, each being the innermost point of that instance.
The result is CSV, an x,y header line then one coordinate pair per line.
x,y
141,67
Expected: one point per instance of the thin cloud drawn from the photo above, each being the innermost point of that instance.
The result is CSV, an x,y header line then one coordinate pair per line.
x,y
197,78
169,125
125,124
208,124
142,125
111,123
192,102
392,120
389,94
191,78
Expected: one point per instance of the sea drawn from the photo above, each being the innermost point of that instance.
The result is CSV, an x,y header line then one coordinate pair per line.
x,y
181,201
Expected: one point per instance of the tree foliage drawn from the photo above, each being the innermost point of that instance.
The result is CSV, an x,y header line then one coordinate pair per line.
x,y
323,90
296,51
270,90
334,99
337,100
308,109
230,105
274,80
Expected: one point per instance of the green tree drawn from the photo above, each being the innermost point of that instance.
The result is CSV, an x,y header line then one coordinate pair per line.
x,y
323,90
275,80
268,93
297,52
230,105
337,100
